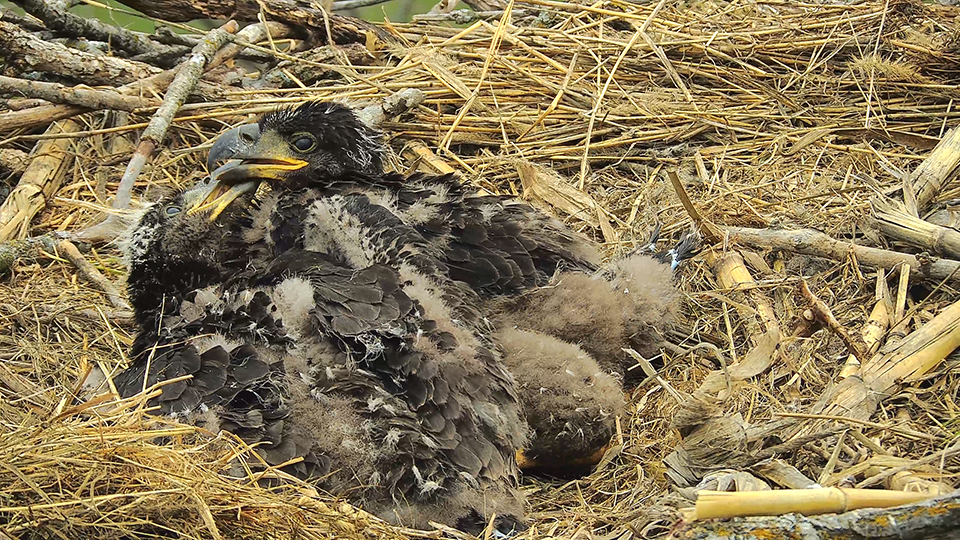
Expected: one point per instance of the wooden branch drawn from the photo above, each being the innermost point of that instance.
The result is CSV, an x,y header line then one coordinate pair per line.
x,y
63,21
26,22
930,176
25,52
466,16
28,249
931,519
40,180
84,97
810,242
301,14
897,223
154,84
38,116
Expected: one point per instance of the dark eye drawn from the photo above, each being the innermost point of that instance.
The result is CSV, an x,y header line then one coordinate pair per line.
x,y
172,210
304,142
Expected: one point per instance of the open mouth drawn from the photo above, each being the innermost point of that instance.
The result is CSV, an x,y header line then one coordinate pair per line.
x,y
239,176
219,196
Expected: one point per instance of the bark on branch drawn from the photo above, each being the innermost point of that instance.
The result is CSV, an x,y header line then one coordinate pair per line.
x,y
67,23
85,97
932,519
23,52
303,14
810,242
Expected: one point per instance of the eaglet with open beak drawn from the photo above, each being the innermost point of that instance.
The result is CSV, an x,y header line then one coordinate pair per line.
x,y
312,144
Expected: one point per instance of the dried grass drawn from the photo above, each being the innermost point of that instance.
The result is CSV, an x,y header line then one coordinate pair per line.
x,y
773,113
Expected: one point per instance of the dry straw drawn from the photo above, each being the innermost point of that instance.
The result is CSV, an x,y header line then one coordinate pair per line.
x,y
770,114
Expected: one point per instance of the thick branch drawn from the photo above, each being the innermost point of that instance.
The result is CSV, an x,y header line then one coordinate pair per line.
x,y
27,23
303,14
23,52
933,519
86,97
810,242
156,83
63,21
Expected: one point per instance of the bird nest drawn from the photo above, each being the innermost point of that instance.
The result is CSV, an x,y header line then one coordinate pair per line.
x,y
799,139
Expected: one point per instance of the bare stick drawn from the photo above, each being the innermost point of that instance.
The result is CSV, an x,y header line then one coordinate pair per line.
x,y
87,270
305,16
822,310
85,97
344,5
38,116
463,16
810,242
184,81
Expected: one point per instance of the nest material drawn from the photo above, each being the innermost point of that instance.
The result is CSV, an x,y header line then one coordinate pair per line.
x,y
771,114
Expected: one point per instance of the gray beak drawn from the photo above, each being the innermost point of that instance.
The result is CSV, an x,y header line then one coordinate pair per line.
x,y
231,143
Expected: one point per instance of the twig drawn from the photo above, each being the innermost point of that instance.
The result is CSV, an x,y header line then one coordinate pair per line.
x,y
85,97
822,310
185,80
463,16
25,250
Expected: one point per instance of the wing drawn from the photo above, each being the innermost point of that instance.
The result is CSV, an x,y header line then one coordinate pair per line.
x,y
494,244
418,369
